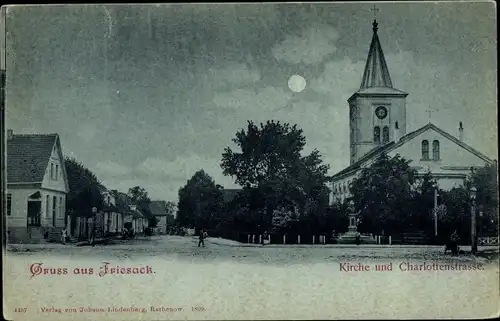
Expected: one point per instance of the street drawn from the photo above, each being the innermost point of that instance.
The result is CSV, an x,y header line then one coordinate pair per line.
x,y
229,282
220,249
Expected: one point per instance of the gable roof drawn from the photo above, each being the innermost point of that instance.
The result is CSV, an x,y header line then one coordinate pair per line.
x,y
158,208
393,145
28,157
135,213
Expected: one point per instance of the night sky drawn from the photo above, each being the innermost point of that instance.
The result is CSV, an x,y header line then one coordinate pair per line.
x,y
148,94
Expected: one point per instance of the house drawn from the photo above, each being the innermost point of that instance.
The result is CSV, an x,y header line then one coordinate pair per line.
x,y
378,126
37,185
111,217
159,211
136,218
131,217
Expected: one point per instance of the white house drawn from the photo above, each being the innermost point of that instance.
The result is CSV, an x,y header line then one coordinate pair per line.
x,y
159,210
112,219
36,187
378,126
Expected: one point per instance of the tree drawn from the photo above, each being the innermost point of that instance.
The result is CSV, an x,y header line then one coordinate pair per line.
x,y
171,209
139,196
382,194
421,214
457,202
485,180
199,202
275,175
84,189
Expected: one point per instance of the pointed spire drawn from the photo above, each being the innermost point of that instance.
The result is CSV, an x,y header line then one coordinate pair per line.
x,y
376,72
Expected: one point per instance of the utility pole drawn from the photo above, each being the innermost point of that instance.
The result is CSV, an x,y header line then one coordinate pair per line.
x,y
435,209
473,191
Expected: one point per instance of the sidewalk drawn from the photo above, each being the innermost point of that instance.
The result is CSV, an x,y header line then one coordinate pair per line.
x,y
113,244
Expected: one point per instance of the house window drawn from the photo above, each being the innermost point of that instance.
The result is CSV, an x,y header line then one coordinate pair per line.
x,y
435,150
51,171
385,134
57,172
9,204
376,134
54,207
47,206
61,211
425,150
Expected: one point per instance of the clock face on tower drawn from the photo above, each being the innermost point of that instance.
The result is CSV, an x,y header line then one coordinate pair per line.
x,y
381,112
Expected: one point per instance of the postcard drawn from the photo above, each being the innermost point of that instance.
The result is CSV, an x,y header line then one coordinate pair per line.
x,y
246,161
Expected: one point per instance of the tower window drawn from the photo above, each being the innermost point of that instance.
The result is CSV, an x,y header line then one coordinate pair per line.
x,y
376,134
425,150
435,150
385,134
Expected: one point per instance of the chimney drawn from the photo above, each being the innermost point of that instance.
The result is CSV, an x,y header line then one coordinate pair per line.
x,y
396,132
460,132
10,134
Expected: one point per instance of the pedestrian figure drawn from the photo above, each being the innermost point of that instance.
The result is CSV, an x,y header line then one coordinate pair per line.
x,y
452,244
92,236
358,238
63,236
202,238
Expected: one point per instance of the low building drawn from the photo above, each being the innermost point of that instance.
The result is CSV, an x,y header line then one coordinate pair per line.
x,y
36,187
136,218
112,218
159,211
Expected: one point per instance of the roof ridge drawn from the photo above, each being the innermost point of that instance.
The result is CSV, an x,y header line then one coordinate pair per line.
x,y
24,134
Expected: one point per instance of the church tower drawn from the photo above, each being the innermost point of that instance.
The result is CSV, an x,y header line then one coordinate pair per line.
x,y
377,111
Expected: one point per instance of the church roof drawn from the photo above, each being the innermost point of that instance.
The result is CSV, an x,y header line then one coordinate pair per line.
x,y
376,73
392,145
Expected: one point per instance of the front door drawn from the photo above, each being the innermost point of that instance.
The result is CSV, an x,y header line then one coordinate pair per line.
x,y
34,213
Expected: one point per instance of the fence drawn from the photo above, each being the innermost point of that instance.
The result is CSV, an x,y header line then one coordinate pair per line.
x,y
281,238
488,240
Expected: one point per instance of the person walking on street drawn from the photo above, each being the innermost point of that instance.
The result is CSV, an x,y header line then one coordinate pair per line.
x,y
201,238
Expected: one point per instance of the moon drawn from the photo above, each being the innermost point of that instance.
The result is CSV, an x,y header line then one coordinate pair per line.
x,y
296,83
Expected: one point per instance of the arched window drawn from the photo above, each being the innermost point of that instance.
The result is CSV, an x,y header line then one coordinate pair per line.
x,y
435,150
385,134
376,134
425,150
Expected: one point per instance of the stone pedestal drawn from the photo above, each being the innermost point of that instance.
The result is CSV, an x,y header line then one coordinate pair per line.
x,y
350,236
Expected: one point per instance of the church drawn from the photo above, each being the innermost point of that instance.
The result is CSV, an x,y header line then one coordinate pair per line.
x,y
377,122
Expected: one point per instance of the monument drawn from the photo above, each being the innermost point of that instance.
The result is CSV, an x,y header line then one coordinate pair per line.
x,y
352,235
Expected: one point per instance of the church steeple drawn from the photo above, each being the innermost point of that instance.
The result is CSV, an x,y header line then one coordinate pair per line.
x,y
377,111
376,72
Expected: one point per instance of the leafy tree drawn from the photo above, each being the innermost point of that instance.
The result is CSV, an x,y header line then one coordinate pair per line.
x,y
275,175
84,189
485,180
171,209
139,196
199,202
421,214
382,194
457,202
